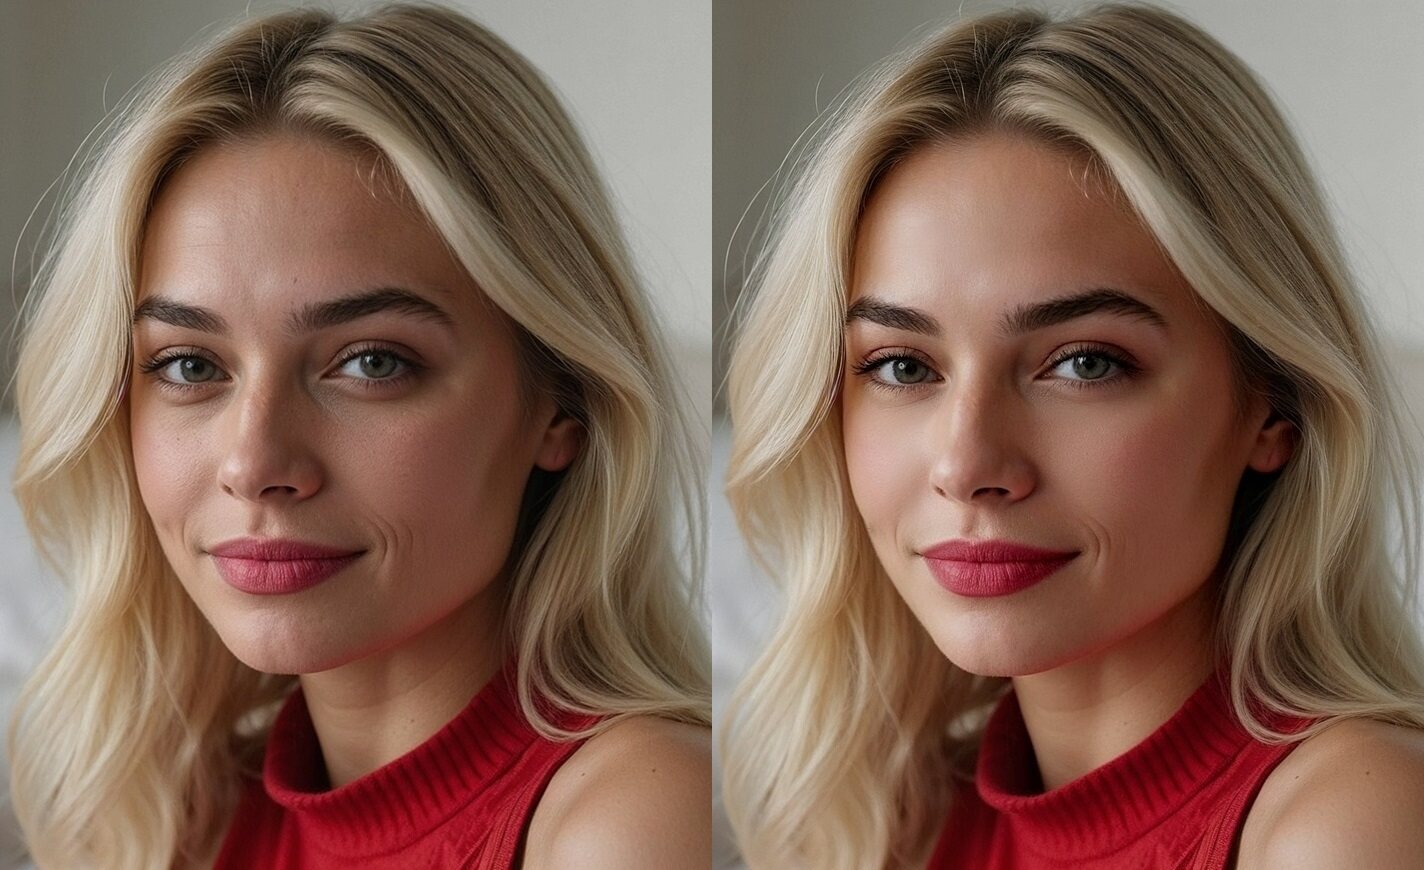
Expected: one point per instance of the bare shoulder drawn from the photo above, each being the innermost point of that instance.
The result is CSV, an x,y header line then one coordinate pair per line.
x,y
636,795
1351,796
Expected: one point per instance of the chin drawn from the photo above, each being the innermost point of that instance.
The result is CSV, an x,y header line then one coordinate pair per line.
x,y
989,650
283,652
273,660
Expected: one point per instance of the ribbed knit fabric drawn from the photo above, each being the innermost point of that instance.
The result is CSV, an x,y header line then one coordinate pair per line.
x,y
461,799
1175,800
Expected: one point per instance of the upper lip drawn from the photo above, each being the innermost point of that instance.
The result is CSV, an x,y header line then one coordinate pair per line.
x,y
278,550
963,550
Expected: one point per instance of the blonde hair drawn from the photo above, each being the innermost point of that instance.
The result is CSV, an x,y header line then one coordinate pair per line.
x,y
128,741
845,737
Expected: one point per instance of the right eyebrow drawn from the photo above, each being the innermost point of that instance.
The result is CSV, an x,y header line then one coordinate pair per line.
x,y
873,309
312,317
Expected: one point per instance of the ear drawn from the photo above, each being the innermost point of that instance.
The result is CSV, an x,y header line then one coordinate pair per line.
x,y
560,443
1274,445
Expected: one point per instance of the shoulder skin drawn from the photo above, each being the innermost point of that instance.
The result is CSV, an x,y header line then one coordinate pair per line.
x,y
1352,796
638,795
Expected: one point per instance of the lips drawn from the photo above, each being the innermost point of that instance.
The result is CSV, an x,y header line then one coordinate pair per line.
x,y
274,566
981,569
277,549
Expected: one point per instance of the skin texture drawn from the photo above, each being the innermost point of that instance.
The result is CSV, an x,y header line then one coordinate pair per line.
x,y
284,437
281,438
996,439
1351,796
636,796
996,442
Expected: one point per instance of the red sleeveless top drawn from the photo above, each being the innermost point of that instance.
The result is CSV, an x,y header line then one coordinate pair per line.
x,y
1175,800
461,799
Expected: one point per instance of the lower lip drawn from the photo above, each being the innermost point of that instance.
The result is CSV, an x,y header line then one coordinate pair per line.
x,y
278,577
991,579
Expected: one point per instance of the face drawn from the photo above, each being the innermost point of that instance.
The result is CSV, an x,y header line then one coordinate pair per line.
x,y
395,427
1103,429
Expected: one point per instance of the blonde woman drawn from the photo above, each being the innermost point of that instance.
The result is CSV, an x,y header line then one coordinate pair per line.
x,y
345,417
1057,415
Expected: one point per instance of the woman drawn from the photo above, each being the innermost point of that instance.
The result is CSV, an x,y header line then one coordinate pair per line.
x,y
1057,415
343,413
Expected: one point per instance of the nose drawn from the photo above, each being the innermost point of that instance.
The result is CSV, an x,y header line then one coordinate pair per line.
x,y
979,446
267,455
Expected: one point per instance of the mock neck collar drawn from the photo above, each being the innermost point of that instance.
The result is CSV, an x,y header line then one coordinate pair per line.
x,y
396,804
1112,805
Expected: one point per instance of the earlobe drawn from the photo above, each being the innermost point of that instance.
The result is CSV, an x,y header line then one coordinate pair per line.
x,y
1275,445
560,444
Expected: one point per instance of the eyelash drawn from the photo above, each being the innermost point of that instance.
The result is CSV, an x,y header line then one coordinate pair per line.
x,y
1126,368
154,366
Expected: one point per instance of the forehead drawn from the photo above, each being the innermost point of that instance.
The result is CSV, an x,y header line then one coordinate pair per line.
x,y
997,220
285,217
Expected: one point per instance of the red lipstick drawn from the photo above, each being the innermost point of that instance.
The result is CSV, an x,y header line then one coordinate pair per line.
x,y
276,566
983,569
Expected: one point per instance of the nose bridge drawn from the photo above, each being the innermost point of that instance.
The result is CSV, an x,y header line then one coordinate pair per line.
x,y
266,446
978,449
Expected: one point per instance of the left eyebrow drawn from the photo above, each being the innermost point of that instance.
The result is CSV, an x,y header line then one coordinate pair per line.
x,y
1027,318
311,317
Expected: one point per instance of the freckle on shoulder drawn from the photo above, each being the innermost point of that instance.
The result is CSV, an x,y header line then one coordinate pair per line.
x,y
1356,769
642,756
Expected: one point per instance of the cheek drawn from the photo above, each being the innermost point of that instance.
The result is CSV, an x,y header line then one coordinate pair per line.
x,y
169,471
1155,484
883,465
446,483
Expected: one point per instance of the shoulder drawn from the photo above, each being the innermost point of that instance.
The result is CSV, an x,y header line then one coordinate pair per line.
x,y
1351,796
636,795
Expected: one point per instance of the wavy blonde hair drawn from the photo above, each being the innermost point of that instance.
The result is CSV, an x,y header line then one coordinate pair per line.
x,y
844,739
128,741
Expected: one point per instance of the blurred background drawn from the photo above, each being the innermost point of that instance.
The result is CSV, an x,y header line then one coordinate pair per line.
x,y
1349,77
635,74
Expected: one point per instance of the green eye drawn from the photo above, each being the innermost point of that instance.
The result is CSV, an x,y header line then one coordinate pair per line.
x,y
195,369
905,370
376,364
375,367
1087,366
895,372
1084,367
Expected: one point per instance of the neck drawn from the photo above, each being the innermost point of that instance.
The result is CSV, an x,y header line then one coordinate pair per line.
x,y
369,712
1084,714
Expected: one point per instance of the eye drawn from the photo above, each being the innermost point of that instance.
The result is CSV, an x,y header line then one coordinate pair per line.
x,y
376,367
181,371
376,364
1091,366
194,369
895,371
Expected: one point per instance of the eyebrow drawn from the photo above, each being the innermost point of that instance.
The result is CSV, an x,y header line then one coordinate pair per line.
x,y
311,317
1024,318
